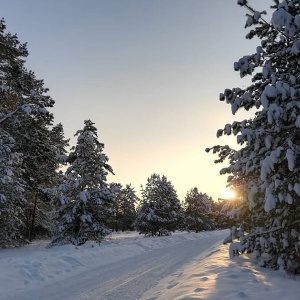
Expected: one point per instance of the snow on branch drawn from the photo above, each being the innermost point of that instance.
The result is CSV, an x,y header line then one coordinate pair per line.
x,y
9,115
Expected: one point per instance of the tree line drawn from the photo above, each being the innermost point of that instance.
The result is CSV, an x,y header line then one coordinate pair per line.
x,y
38,199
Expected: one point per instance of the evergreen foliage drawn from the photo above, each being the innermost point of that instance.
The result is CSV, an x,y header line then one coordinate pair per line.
x,y
198,209
25,126
12,201
160,211
84,201
127,210
123,207
266,167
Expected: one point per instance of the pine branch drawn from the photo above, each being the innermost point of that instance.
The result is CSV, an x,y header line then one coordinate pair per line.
x,y
9,115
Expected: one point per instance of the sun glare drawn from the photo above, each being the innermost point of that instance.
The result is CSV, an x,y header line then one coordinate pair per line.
x,y
228,194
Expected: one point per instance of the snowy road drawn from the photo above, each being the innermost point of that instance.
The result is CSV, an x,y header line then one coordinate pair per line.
x,y
128,278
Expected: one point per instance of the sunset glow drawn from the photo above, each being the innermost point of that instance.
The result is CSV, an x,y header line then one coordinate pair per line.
x,y
228,194
150,74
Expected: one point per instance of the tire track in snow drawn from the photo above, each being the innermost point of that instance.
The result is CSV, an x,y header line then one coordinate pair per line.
x,y
126,279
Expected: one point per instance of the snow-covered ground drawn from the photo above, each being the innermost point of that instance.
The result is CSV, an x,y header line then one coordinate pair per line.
x,y
129,266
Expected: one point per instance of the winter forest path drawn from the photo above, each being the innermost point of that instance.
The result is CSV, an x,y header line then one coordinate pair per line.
x,y
129,278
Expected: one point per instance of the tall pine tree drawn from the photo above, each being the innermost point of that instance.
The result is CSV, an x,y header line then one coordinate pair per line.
x,y
83,200
12,201
267,165
25,125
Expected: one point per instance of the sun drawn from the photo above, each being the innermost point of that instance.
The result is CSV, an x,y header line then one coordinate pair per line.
x,y
228,194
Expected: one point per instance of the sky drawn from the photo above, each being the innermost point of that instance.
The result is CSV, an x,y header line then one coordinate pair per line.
x,y
148,73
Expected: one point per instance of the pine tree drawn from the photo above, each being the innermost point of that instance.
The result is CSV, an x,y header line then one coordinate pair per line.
x,y
160,211
127,211
25,117
40,223
124,212
198,211
40,147
266,167
12,201
84,200
113,221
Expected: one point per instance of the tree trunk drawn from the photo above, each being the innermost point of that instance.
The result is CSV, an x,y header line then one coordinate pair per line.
x,y
30,234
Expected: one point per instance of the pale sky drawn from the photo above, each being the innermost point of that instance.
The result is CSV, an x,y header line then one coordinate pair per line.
x,y
147,72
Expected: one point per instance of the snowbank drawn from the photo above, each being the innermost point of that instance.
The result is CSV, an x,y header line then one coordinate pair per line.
x,y
219,277
210,275
36,264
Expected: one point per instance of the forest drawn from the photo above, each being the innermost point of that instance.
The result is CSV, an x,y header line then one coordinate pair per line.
x,y
51,189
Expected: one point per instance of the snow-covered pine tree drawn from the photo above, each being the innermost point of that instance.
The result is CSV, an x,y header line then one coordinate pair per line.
x,y
267,165
25,117
127,208
40,146
123,207
237,212
12,201
198,209
113,221
39,221
83,199
160,211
